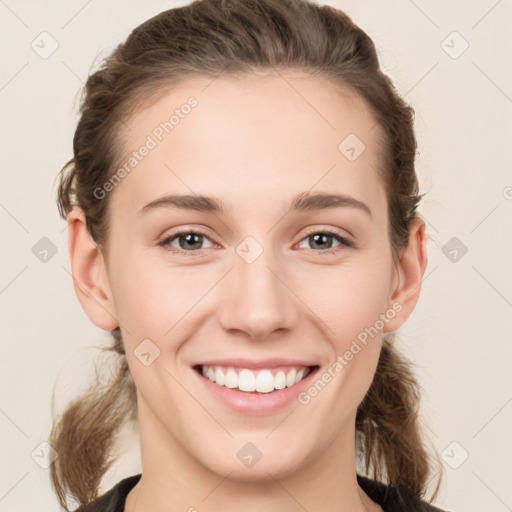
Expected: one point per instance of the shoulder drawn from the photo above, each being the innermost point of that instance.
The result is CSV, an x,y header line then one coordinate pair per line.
x,y
114,499
393,499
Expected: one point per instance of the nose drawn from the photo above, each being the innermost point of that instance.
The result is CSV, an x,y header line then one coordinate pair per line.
x,y
258,300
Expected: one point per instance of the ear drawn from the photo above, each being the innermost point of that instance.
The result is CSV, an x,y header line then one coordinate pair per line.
x,y
410,268
90,278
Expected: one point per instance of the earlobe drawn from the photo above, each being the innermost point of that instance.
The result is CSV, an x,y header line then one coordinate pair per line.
x,y
411,267
90,278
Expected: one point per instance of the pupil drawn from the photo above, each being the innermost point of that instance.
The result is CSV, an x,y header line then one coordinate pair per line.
x,y
318,238
189,237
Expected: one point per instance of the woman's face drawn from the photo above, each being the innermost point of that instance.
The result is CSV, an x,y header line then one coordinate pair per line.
x,y
263,291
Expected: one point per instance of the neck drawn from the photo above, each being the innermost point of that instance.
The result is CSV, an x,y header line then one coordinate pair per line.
x,y
173,479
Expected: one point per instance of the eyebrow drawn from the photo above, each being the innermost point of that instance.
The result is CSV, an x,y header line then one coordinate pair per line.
x,y
306,201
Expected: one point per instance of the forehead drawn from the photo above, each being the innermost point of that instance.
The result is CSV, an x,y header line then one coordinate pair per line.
x,y
272,133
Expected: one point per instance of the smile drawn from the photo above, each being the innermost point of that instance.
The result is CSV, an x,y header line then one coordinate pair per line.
x,y
263,380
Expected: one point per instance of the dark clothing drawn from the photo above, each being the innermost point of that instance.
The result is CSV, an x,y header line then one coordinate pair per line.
x,y
386,496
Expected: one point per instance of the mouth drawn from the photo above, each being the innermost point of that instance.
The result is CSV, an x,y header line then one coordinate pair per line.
x,y
255,381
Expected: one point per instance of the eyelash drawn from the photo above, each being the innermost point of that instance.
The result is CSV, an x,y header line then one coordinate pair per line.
x,y
341,239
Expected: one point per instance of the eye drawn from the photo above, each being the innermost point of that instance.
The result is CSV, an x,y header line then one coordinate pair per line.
x,y
185,242
190,242
324,239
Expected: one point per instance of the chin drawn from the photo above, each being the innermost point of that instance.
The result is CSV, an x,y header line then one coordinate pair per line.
x,y
260,472
255,462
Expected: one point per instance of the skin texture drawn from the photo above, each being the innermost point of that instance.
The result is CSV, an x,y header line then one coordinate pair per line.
x,y
254,142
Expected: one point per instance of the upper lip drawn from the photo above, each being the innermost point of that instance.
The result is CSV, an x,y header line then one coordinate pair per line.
x,y
254,364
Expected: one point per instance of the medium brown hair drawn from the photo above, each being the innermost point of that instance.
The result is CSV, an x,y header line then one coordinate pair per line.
x,y
206,38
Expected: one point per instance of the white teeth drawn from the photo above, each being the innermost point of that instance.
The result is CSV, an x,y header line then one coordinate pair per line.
x,y
280,380
290,378
265,382
231,380
262,381
219,377
246,381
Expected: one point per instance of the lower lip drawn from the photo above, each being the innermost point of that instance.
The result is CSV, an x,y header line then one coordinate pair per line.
x,y
256,403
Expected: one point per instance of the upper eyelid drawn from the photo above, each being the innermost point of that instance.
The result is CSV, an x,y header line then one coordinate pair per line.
x,y
328,231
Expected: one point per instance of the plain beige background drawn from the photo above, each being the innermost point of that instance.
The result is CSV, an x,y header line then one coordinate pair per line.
x,y
451,60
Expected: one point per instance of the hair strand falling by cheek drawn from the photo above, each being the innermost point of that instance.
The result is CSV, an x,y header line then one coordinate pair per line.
x,y
391,443
84,435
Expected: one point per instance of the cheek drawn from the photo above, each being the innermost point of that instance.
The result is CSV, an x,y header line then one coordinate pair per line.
x,y
351,303
150,299
350,298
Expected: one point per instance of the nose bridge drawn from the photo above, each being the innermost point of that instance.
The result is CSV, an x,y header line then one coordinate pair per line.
x,y
257,302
